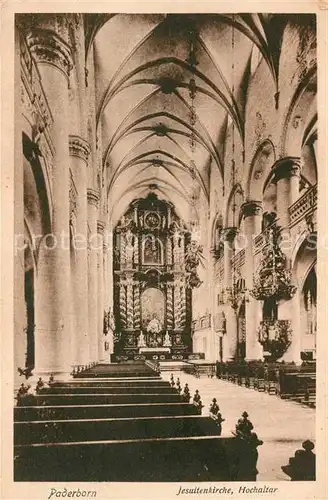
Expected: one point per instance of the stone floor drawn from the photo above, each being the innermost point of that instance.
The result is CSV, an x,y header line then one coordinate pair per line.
x,y
282,425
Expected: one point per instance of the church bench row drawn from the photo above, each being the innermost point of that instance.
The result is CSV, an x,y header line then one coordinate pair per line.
x,y
161,460
286,380
141,389
98,399
26,413
68,431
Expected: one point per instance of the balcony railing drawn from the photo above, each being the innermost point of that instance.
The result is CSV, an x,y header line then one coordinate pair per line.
x,y
239,259
304,206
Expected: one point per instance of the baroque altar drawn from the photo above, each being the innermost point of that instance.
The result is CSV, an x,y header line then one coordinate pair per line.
x,y
152,294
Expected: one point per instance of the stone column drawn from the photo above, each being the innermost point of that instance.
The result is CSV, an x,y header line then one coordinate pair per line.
x,y
287,175
79,151
100,290
293,313
230,338
93,200
20,320
53,332
214,306
252,213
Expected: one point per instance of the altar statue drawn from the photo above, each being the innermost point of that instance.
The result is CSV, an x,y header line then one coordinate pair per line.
x,y
167,340
141,340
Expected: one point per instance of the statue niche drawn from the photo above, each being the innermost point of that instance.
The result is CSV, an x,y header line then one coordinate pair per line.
x,y
152,253
152,313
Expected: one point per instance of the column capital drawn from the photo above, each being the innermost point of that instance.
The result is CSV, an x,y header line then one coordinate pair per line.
x,y
49,48
228,234
79,147
93,197
251,208
287,167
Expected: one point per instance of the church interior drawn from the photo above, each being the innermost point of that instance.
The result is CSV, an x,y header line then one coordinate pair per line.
x,y
165,226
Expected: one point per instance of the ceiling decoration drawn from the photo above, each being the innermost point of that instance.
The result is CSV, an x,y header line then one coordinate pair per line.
x,y
164,95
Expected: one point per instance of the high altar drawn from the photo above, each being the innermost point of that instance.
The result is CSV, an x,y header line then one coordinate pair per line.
x,y
152,305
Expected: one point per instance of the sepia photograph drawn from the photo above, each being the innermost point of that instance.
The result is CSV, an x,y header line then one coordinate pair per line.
x,y
165,248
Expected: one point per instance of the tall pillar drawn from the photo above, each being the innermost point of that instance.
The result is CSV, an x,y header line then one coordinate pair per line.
x,y
100,290
79,151
230,338
215,356
20,320
53,332
252,213
287,175
93,200
292,311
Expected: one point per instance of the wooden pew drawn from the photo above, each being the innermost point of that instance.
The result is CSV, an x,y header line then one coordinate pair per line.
x,y
68,431
200,458
27,413
98,399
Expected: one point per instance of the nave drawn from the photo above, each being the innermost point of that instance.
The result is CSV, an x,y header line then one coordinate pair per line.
x,y
110,421
166,174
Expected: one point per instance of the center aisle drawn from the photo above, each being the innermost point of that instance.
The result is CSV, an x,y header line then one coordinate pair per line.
x,y
281,425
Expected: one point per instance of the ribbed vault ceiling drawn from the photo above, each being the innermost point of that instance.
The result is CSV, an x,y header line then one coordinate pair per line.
x,y
143,102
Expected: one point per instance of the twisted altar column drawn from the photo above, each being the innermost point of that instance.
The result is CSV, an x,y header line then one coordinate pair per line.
x,y
176,250
129,303
177,323
169,306
169,251
137,307
182,305
123,304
